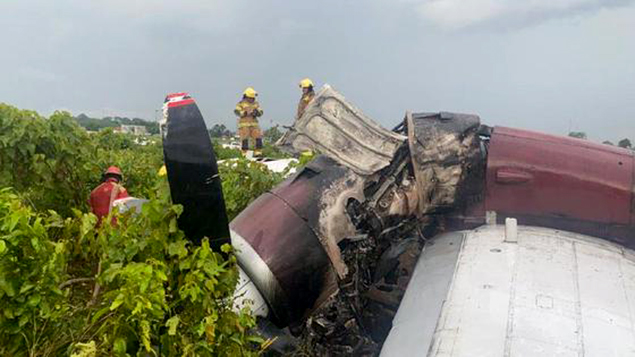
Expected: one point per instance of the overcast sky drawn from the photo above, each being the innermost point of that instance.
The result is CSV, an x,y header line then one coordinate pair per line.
x,y
548,65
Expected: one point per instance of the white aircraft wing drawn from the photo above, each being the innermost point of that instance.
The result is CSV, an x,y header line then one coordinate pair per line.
x,y
549,293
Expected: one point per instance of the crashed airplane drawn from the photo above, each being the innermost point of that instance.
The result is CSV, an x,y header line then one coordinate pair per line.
x,y
441,237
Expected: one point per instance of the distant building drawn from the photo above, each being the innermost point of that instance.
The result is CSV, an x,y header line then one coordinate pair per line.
x,y
133,129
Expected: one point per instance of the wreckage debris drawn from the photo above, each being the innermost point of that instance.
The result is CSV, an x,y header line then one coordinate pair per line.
x,y
330,251
401,186
192,171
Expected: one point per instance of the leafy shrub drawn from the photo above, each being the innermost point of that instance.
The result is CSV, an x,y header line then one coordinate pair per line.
x,y
31,268
243,181
273,152
139,287
44,159
144,287
225,153
54,163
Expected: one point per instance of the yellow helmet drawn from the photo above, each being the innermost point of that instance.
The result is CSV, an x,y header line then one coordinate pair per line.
x,y
250,93
306,83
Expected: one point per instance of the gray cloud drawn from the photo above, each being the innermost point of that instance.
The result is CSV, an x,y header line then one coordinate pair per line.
x,y
458,14
122,57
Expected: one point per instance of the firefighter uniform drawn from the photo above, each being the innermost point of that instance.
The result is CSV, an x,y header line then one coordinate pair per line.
x,y
248,110
307,96
304,102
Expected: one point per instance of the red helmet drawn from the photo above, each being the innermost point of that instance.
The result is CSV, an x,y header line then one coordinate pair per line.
x,y
113,170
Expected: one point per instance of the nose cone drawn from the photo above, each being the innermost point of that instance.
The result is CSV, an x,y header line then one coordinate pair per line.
x,y
282,255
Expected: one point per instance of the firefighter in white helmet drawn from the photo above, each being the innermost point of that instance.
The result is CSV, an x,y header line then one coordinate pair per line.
x,y
248,110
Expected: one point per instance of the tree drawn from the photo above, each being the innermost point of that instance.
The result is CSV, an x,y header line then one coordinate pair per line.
x,y
578,134
625,143
608,142
219,131
272,134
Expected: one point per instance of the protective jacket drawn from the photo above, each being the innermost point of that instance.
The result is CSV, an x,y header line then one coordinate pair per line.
x,y
304,102
104,195
247,110
248,127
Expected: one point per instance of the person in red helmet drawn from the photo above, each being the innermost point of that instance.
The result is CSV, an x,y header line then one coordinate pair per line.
x,y
102,197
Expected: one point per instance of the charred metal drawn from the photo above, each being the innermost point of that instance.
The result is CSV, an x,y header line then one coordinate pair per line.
x,y
372,214
331,250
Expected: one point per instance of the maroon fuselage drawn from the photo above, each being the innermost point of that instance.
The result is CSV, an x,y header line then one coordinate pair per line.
x,y
562,183
540,179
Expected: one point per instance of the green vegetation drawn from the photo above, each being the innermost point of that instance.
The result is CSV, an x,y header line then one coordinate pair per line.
x,y
219,131
138,287
624,143
269,150
94,124
243,180
272,152
225,153
578,134
272,134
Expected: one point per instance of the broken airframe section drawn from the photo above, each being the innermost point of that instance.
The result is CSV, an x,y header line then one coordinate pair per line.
x,y
330,251
339,130
336,243
447,159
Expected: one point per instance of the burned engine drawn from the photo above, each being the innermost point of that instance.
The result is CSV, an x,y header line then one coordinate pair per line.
x,y
340,239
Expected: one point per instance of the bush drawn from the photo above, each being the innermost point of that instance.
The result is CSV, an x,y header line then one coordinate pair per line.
x,y
138,287
243,181
55,164
31,269
44,159
225,153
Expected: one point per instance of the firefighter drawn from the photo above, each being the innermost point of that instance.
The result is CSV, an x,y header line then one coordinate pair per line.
x,y
248,110
102,198
306,85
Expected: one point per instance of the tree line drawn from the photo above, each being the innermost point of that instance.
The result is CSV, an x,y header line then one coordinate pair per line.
x,y
624,143
96,124
271,134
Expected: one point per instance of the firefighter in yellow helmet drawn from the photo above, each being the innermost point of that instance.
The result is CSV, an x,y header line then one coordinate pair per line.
x,y
248,110
306,85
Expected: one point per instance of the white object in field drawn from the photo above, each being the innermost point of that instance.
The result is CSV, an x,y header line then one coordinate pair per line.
x,y
246,294
128,203
553,293
231,145
511,230
280,165
273,165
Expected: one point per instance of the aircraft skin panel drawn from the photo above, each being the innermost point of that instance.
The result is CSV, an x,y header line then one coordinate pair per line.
x,y
597,183
282,255
560,182
552,293
606,294
336,128
478,301
429,282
